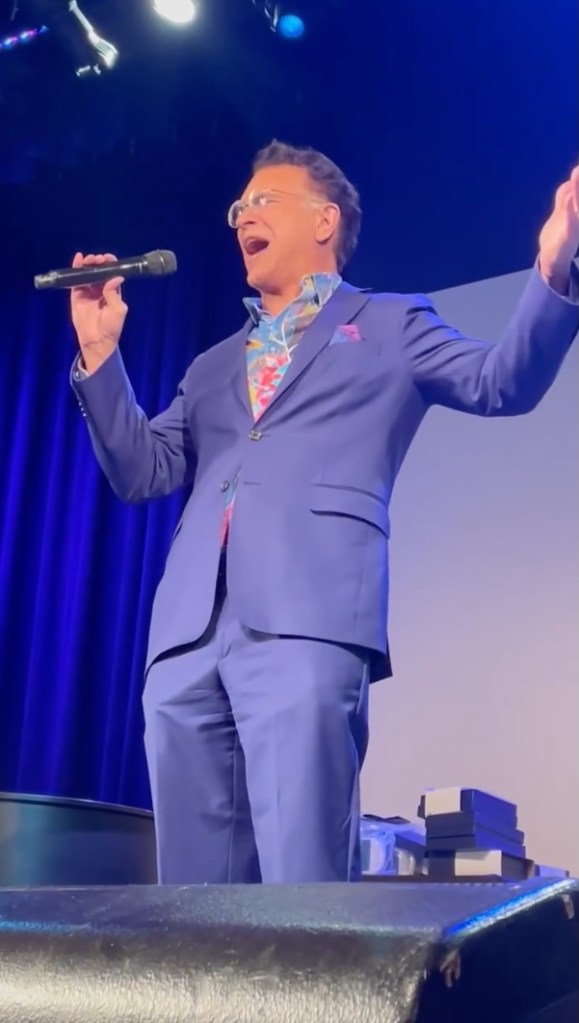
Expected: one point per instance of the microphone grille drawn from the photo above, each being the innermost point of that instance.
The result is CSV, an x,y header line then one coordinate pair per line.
x,y
161,262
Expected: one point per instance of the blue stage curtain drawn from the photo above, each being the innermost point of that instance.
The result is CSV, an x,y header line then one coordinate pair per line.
x,y
78,569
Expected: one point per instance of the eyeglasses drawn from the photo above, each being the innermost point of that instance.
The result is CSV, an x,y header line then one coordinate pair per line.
x,y
258,200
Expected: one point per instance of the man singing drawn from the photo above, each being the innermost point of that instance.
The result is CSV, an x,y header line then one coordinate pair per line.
x,y
269,623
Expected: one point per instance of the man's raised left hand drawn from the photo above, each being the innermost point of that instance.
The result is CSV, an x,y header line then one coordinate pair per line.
x,y
559,239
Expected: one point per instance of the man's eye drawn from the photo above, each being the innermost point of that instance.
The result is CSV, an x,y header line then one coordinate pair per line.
x,y
262,199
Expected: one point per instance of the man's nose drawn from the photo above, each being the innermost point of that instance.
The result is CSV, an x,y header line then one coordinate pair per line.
x,y
246,217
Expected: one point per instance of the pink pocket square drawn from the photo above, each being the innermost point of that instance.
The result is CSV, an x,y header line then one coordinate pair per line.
x,y
347,332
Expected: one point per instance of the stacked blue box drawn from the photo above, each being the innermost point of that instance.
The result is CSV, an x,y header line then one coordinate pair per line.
x,y
472,833
458,800
488,864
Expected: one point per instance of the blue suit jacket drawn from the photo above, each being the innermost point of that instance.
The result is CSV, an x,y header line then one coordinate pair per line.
x,y
308,546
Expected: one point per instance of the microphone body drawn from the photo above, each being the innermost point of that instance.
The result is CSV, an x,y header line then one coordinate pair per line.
x,y
160,263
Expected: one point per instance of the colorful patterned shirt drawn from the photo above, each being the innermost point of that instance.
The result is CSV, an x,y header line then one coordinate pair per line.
x,y
271,344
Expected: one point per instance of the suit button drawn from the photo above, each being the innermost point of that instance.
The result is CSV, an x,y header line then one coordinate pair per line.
x,y
255,435
224,486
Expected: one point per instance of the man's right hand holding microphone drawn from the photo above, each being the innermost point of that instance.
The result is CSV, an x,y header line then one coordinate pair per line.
x,y
98,314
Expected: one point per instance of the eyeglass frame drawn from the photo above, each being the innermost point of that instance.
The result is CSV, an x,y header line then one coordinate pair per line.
x,y
239,206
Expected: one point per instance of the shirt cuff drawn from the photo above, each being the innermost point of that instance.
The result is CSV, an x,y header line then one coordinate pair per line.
x,y
78,370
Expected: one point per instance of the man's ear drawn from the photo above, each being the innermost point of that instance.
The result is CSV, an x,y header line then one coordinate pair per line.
x,y
328,222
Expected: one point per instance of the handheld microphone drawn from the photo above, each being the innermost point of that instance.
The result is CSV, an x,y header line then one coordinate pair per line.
x,y
160,263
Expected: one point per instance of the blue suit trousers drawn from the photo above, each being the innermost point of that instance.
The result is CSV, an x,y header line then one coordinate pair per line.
x,y
254,745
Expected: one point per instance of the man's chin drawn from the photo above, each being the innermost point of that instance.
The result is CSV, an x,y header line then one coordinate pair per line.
x,y
256,276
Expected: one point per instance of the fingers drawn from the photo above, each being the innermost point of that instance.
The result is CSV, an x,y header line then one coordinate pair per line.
x,y
571,205
562,195
113,286
574,182
111,294
92,260
567,195
86,293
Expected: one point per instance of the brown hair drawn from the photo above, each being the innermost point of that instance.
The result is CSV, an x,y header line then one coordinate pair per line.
x,y
329,180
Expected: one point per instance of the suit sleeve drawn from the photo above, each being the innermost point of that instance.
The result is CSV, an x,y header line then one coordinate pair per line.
x,y
141,458
504,379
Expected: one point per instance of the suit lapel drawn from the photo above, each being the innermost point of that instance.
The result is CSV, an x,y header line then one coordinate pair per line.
x,y
341,308
239,379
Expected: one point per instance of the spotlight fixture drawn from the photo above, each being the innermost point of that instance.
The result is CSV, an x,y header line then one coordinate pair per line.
x,y
180,12
291,19
287,23
71,28
285,17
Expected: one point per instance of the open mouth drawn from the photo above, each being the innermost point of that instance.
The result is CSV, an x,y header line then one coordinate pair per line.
x,y
252,246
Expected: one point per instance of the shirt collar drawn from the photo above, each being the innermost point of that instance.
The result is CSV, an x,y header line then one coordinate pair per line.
x,y
315,287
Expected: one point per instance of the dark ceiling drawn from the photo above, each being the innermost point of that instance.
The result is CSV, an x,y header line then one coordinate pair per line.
x,y
456,119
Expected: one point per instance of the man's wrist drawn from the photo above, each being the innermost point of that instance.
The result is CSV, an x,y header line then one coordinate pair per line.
x,y
91,358
557,277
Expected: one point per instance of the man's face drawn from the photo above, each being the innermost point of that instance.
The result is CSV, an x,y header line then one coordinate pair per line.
x,y
281,236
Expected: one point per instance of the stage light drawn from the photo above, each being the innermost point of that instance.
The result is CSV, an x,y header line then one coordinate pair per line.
x,y
107,54
19,38
289,25
285,17
180,12
74,32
